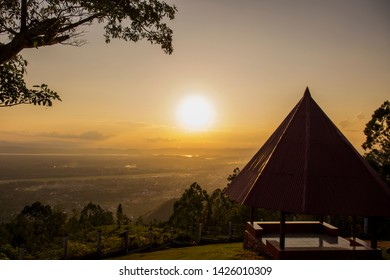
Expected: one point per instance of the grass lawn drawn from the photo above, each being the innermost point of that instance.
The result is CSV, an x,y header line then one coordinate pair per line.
x,y
229,251
384,245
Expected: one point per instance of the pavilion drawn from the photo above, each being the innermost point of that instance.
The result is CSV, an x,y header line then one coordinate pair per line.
x,y
307,166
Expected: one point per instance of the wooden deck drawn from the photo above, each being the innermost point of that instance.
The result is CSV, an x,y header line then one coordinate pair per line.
x,y
306,240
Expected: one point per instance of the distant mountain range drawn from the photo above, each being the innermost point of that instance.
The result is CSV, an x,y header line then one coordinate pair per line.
x,y
8,147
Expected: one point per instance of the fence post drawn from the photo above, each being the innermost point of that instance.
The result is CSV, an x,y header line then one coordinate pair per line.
x,y
372,227
150,233
126,240
65,245
329,219
172,232
99,243
21,252
230,230
200,233
365,227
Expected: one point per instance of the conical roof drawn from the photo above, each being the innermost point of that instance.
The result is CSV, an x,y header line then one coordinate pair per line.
x,y
308,166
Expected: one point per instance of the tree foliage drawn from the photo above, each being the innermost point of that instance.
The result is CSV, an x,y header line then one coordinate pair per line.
x,y
190,209
93,215
213,211
36,226
121,218
37,23
377,144
231,177
39,229
13,89
222,209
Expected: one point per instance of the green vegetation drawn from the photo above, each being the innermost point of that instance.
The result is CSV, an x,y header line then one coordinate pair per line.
x,y
386,253
377,144
377,153
197,208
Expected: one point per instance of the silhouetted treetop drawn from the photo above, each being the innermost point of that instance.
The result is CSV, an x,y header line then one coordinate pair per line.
x,y
36,23
377,144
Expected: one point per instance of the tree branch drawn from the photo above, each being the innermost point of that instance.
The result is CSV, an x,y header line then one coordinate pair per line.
x,y
23,16
7,29
52,22
81,22
8,51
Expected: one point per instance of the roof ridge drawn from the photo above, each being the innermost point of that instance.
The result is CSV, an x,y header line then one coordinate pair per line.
x,y
307,98
292,113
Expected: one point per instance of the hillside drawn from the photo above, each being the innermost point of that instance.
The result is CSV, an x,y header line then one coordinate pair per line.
x,y
161,213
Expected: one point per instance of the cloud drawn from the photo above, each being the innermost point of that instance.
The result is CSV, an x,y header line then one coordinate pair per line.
x,y
129,124
159,139
88,135
135,125
348,123
92,135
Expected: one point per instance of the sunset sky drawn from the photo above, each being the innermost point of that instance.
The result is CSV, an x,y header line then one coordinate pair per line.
x,y
249,60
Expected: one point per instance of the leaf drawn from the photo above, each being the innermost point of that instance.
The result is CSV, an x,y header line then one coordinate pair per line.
x,y
13,90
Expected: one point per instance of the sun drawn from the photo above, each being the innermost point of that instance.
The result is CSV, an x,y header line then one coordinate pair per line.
x,y
195,113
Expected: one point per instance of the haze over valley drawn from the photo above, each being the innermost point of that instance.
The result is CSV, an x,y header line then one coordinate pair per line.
x,y
141,181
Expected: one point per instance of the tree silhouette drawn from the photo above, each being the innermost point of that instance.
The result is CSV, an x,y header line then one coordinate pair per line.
x,y
190,209
37,23
13,89
93,215
36,226
377,144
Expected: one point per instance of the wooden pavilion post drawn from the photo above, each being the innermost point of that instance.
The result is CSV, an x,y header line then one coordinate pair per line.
x,y
373,233
282,236
353,229
252,215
